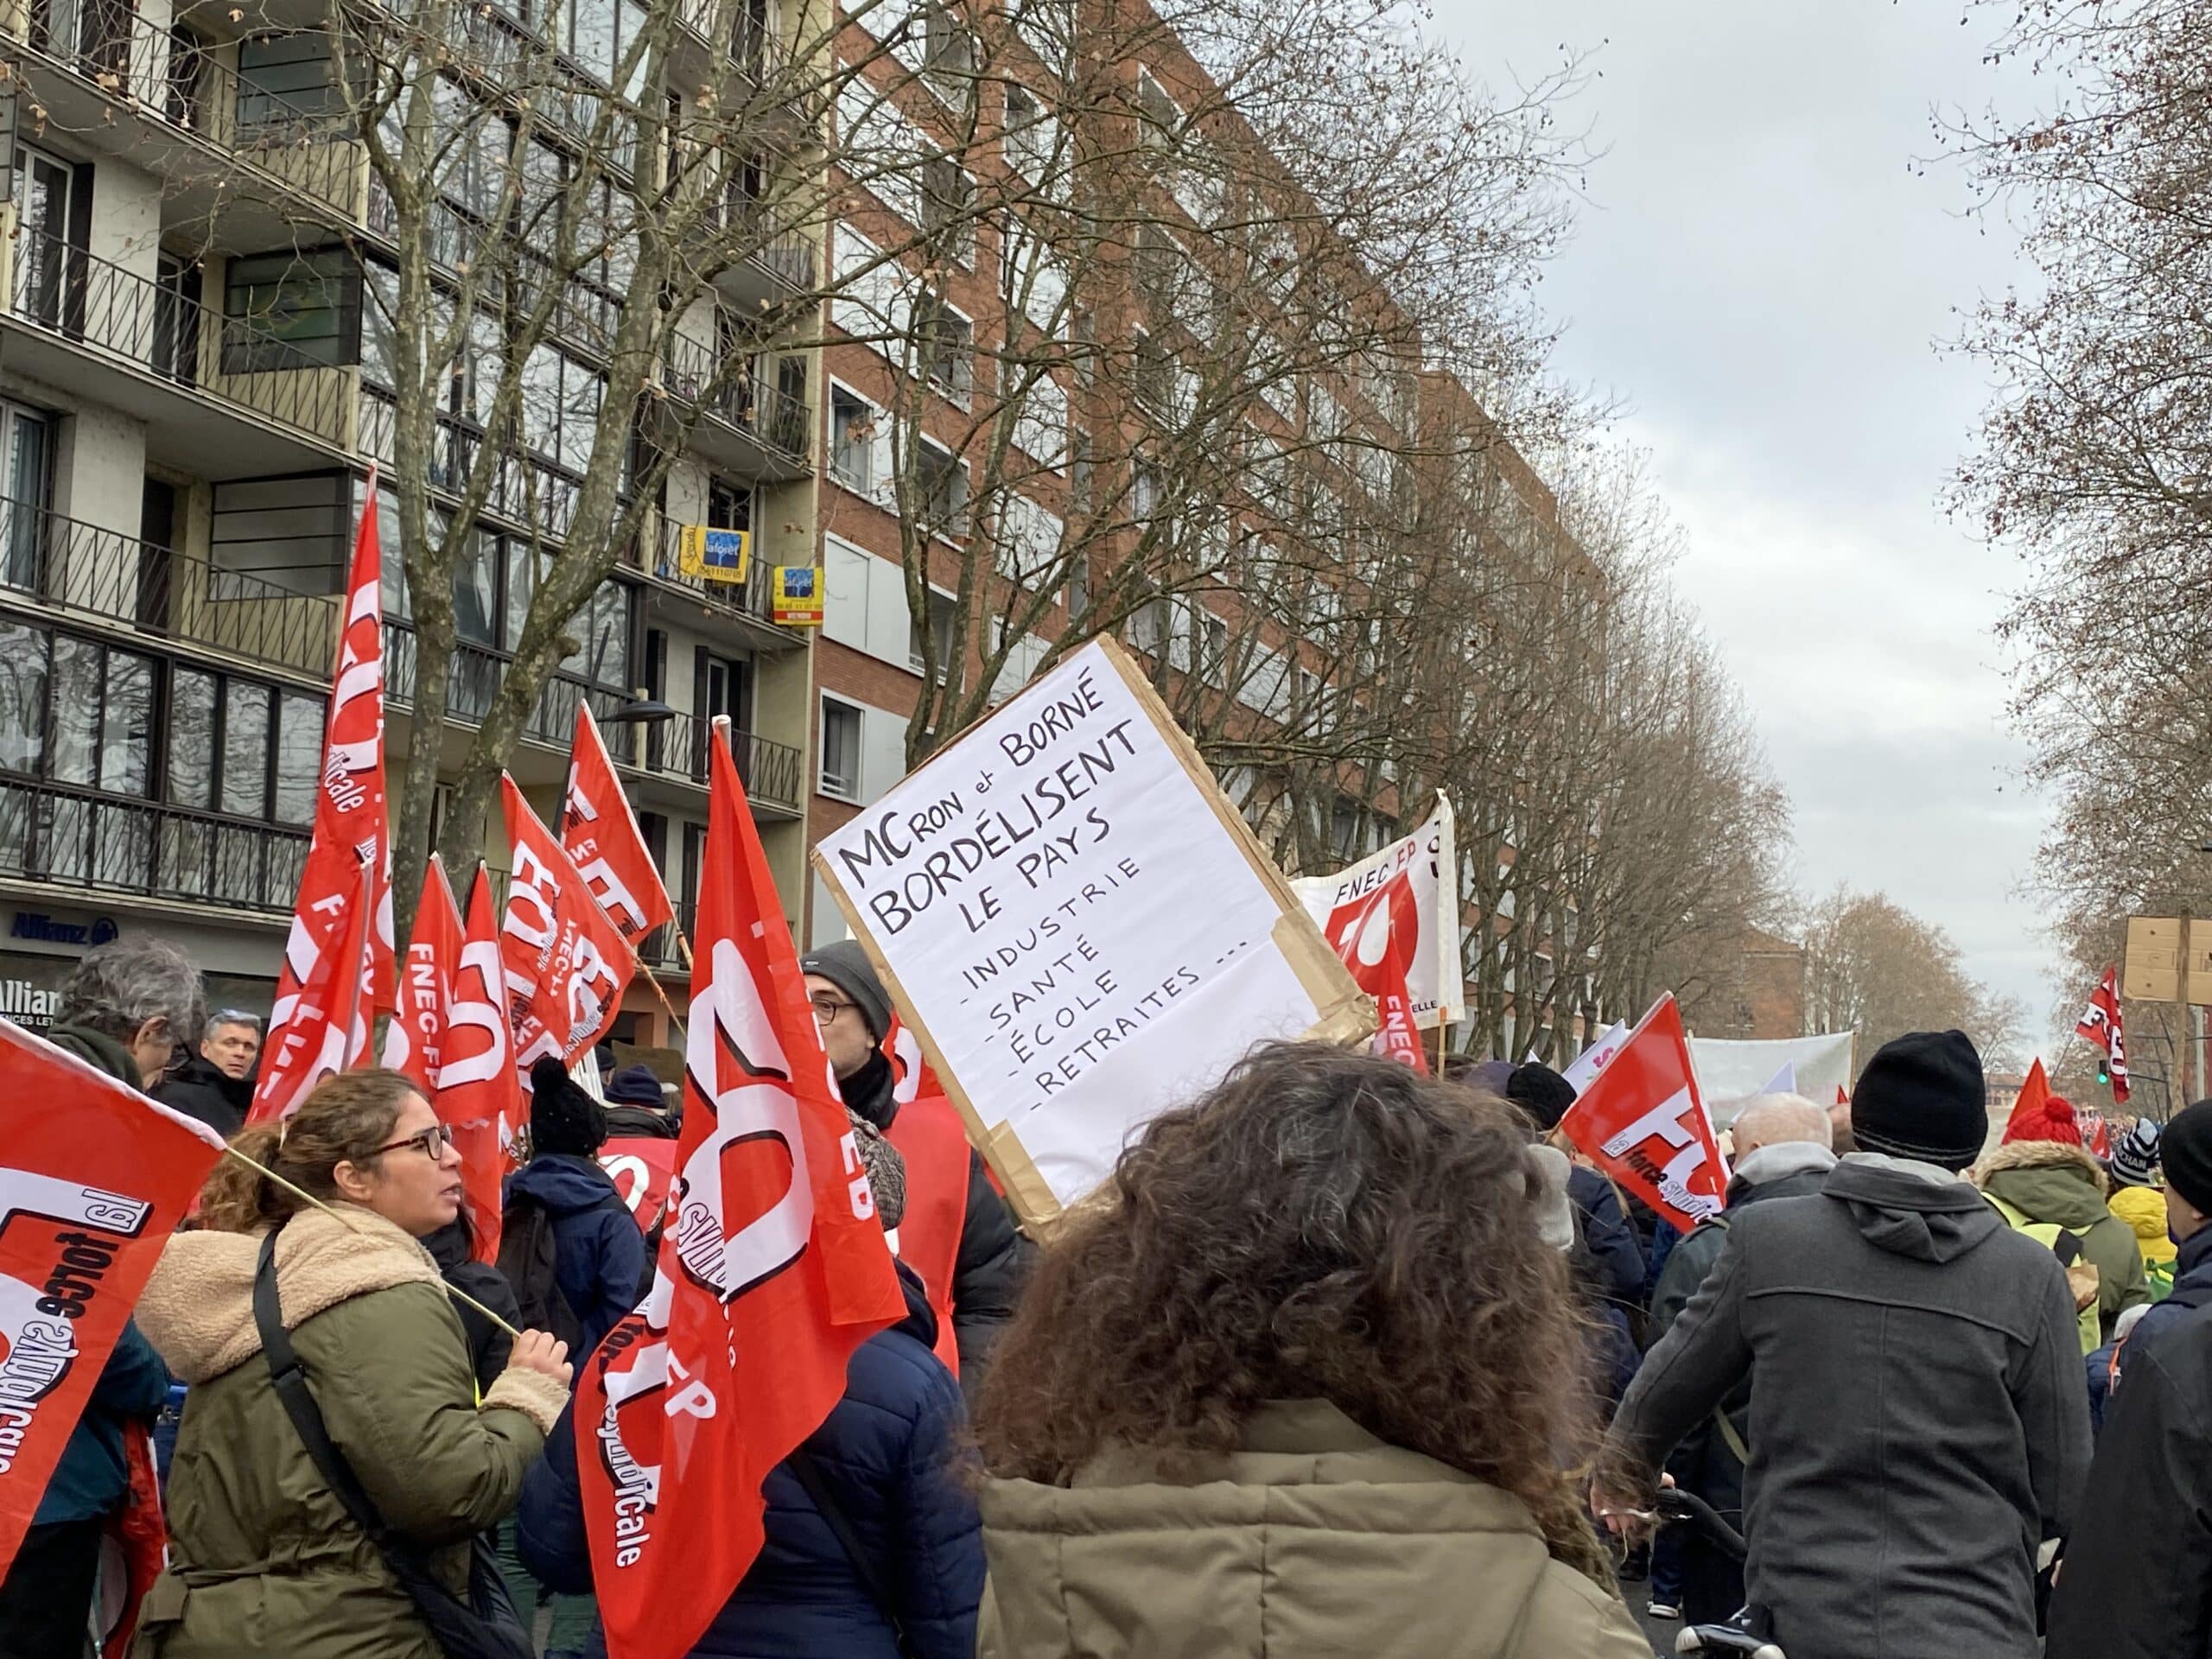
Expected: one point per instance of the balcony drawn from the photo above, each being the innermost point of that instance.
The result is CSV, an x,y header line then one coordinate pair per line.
x,y
72,837
190,106
660,950
749,604
55,564
772,266
151,350
744,423
525,490
677,751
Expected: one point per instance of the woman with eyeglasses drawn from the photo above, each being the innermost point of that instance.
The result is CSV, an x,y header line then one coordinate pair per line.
x,y
264,1560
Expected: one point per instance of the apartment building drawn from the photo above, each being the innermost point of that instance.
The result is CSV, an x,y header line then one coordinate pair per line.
x,y
191,388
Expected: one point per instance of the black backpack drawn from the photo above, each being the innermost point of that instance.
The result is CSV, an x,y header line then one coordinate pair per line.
x,y
528,1255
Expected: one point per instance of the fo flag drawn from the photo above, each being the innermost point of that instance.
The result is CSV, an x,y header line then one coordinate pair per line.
x,y
93,1179
772,1271
1375,934
1641,1121
642,1169
601,836
352,827
1583,1071
451,1037
911,1076
2101,1028
322,1026
567,962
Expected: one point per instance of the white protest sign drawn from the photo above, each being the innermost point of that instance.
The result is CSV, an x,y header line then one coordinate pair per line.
x,y
1586,1065
1432,866
1080,927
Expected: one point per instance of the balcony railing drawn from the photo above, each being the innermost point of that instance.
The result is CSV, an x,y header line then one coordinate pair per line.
x,y
754,597
751,403
171,77
525,490
156,327
80,569
753,46
81,838
660,949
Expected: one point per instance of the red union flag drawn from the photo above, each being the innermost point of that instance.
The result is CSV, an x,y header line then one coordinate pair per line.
x,y
911,1076
1641,1121
567,962
2101,1026
93,1179
643,1169
352,827
322,1026
772,1271
601,836
451,1037
1375,934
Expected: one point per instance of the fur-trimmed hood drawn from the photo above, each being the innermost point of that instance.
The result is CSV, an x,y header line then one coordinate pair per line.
x,y
2041,1155
198,1308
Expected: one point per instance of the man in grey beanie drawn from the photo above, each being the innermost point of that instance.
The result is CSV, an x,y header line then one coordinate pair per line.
x,y
1918,1421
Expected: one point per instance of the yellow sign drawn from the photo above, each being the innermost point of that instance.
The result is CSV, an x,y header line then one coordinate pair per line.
x,y
795,601
714,554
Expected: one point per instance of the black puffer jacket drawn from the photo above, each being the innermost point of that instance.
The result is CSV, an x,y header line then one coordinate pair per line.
x,y
202,1091
994,1259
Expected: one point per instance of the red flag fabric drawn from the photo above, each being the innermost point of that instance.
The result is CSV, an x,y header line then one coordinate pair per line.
x,y
773,1271
352,826
323,1026
93,1179
451,1037
1643,1123
911,1076
2034,1094
136,1543
1842,1095
2097,1136
1375,934
601,836
2100,1026
567,962
642,1169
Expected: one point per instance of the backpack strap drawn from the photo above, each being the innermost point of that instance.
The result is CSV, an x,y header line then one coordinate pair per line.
x,y
2067,1247
865,1566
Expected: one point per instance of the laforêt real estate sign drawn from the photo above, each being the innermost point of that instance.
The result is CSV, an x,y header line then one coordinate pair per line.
x,y
1079,925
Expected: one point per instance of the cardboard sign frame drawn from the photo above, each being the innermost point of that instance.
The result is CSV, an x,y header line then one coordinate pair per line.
x,y
1346,1014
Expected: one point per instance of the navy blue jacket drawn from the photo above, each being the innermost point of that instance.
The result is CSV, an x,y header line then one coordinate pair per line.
x,y
889,1452
599,1253
1615,1250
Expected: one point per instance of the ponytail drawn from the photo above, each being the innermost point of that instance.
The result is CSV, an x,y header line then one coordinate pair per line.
x,y
344,1120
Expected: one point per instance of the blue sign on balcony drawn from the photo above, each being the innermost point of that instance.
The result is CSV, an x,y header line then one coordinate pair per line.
x,y
714,554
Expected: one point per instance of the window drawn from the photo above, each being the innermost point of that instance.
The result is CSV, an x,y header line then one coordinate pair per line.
x,y
942,483
1145,492
852,438
286,79
291,311
1031,136
1040,424
944,616
948,199
1079,586
299,755
841,750
949,57
23,495
244,791
603,627
1158,119
1047,27
1213,648
1148,625
945,342
1154,263
1153,375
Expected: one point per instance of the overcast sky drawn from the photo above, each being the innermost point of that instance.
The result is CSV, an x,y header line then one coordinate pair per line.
x,y
1761,274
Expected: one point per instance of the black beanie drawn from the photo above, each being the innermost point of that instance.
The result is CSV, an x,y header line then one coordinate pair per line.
x,y
1540,1092
563,1117
1922,1096
2186,1149
845,966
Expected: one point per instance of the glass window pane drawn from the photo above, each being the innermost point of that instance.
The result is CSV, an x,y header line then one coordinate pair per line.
x,y
76,710
245,749
475,595
610,614
127,724
522,581
192,738
299,754
23,696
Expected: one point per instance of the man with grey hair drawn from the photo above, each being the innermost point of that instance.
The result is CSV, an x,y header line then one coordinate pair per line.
x,y
216,1084
128,1007
1782,1152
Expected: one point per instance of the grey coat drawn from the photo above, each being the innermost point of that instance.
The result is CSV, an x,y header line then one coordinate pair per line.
x,y
1919,1424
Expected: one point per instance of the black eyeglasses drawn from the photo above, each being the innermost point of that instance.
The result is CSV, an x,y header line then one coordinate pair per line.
x,y
431,1143
826,1008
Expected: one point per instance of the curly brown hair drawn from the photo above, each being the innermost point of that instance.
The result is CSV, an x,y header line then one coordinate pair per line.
x,y
1318,1226
345,1119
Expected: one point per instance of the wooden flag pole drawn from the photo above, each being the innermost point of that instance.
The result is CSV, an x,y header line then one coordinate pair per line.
x,y
683,1036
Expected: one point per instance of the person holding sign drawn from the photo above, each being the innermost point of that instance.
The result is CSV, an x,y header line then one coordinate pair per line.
x,y
1917,1420
958,1234
1307,1371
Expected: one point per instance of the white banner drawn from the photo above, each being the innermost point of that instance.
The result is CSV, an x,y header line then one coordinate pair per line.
x,y
1729,1070
1080,926
1430,862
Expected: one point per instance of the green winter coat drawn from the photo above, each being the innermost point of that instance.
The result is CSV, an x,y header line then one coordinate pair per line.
x,y
264,1562
2051,1182
1313,1540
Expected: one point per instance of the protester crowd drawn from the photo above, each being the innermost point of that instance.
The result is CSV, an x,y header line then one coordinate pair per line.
x,y
1343,1360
